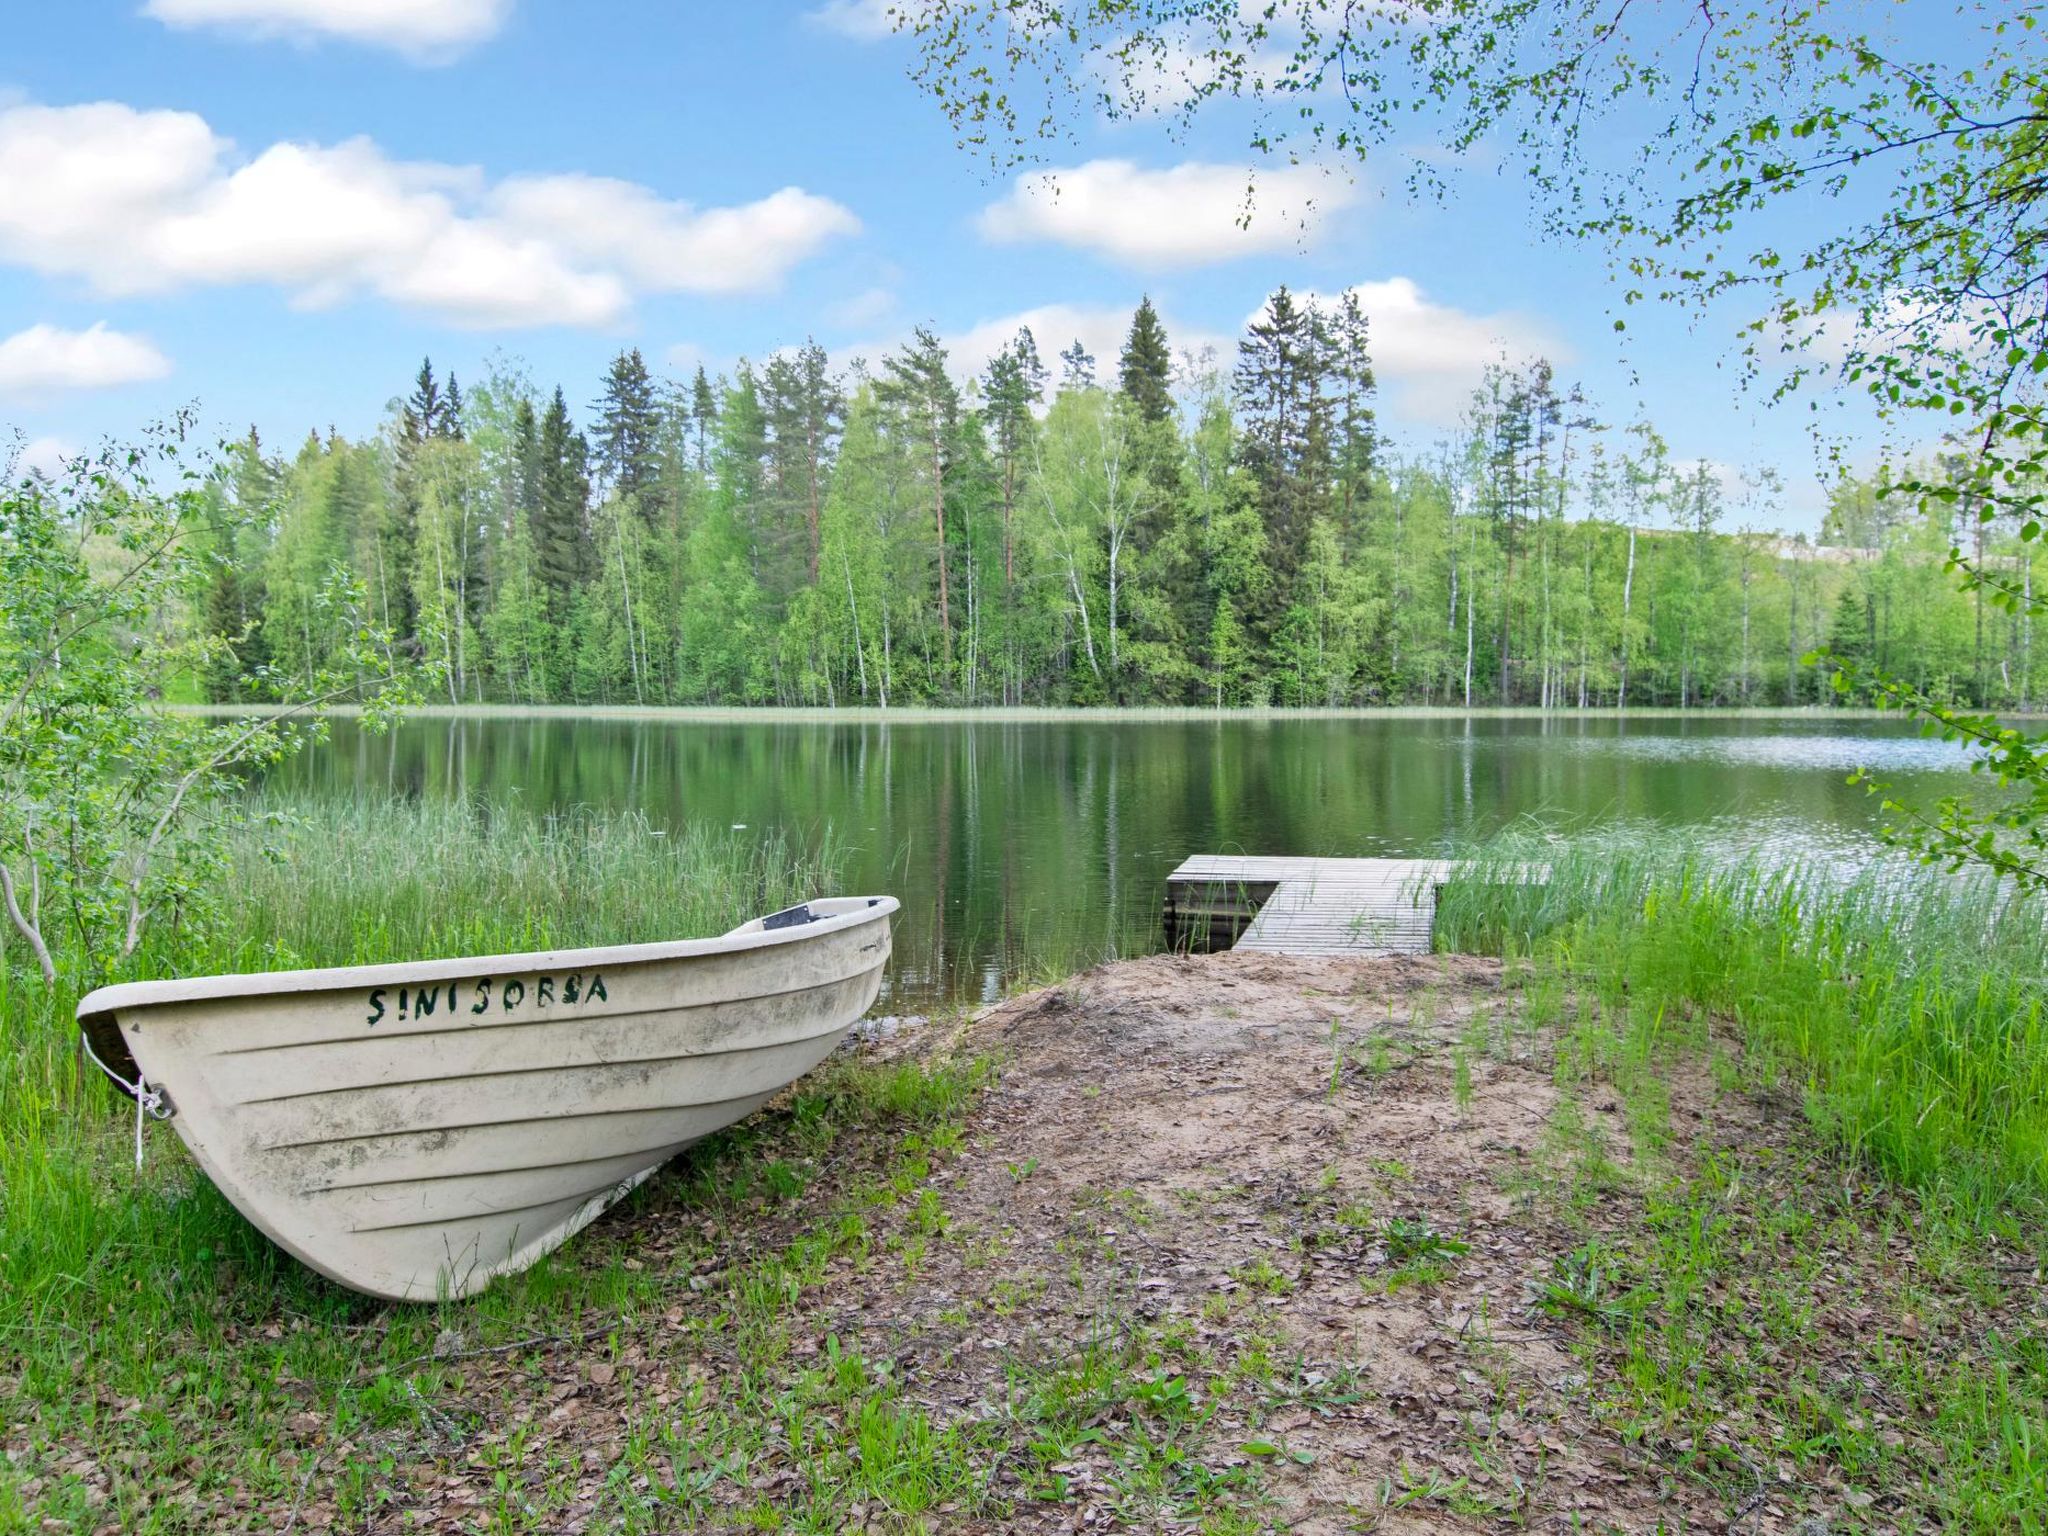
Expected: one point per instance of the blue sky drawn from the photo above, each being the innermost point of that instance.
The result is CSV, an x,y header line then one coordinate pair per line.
x,y
271,209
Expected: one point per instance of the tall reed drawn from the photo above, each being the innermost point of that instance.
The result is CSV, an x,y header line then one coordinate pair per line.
x,y
1905,1007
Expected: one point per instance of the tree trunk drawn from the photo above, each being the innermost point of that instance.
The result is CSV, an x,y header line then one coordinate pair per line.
x,y
1628,582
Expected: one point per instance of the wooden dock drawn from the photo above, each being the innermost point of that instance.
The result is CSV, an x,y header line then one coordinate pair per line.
x,y
1292,906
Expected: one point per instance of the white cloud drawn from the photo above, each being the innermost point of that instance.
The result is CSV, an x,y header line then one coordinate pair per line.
x,y
419,29
44,359
1428,357
45,456
671,247
1184,215
871,306
1829,338
866,21
1100,328
152,201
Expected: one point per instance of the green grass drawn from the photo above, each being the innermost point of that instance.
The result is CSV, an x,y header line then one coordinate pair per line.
x,y
1847,1291
1908,1011
138,1310
163,1369
146,1331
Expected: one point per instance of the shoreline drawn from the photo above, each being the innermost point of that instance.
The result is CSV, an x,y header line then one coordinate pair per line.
x,y
794,714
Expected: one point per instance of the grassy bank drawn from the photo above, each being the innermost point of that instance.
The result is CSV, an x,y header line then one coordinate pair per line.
x,y
1799,1264
1851,1284
1909,1011
138,1312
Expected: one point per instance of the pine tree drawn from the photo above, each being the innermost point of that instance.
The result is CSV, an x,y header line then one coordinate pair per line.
x,y
422,414
628,432
524,489
919,393
1077,367
1146,368
1354,429
450,425
1014,383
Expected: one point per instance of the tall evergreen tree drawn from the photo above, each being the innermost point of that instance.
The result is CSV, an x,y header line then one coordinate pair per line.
x,y
919,393
425,408
1285,447
1145,371
524,487
1077,367
703,416
628,433
450,424
1354,427
1013,384
561,536
804,407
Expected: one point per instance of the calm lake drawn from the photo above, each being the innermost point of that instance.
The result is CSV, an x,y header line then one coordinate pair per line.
x,y
1024,845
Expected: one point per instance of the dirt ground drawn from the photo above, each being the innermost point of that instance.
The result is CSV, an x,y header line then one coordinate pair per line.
x,y
1299,1222
1218,1125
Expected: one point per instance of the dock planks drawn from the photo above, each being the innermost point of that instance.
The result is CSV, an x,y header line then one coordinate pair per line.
x,y
1321,906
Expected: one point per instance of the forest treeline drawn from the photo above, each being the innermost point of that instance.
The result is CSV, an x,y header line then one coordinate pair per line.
x,y
1150,532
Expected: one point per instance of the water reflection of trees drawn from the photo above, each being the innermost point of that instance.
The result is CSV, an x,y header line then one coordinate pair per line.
x,y
1022,846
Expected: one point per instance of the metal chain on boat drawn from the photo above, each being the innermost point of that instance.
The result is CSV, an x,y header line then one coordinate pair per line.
x,y
149,1101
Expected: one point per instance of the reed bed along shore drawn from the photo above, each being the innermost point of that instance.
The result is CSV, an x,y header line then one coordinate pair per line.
x,y
1908,1009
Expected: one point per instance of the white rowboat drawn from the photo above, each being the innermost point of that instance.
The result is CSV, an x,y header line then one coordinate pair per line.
x,y
415,1130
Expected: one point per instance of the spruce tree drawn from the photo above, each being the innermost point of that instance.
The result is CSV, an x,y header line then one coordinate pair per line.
x,y
525,468
703,416
1145,383
1279,389
1145,373
1354,429
560,539
451,412
628,432
804,407
421,416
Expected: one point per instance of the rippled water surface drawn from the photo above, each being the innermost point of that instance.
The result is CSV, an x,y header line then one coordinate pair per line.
x,y
1046,843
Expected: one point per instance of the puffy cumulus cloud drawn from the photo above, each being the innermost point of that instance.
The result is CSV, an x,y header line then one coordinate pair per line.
x,y
1428,357
419,29
1183,215
151,201
670,246
44,359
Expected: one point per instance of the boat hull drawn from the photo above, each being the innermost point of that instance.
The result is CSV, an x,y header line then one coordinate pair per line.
x,y
413,1132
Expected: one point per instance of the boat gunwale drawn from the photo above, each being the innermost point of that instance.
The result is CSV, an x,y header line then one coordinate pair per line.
x,y
104,1002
